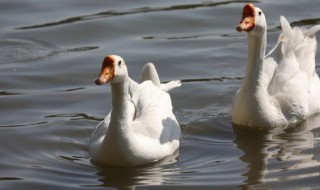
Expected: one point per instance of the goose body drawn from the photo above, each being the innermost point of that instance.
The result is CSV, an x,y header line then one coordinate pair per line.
x,y
282,88
141,127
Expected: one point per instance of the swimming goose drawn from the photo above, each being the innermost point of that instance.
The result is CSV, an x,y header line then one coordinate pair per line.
x,y
141,127
282,88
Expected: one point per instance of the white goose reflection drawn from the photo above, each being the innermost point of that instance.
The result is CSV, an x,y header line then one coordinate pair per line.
x,y
127,178
285,155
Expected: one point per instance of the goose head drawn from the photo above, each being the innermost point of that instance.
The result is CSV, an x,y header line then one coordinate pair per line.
x,y
113,70
253,20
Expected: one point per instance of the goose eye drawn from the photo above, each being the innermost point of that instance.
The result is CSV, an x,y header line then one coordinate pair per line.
x,y
119,63
260,13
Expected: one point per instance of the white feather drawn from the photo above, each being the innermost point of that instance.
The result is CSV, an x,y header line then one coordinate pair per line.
x,y
283,88
142,129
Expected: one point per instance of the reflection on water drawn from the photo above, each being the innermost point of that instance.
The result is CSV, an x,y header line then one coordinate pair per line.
x,y
292,148
127,178
254,145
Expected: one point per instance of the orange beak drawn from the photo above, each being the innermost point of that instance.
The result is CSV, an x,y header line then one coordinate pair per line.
x,y
248,21
107,71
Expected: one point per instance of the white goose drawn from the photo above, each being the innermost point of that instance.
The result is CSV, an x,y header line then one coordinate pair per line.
x,y
141,127
282,88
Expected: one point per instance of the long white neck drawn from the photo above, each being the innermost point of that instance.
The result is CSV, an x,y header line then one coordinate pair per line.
x,y
119,130
254,70
120,109
254,106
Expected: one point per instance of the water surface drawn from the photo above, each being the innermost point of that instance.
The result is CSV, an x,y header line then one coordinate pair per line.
x,y
51,52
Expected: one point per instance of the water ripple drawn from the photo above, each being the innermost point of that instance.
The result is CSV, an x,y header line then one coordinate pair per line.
x,y
193,36
43,92
312,21
10,178
21,50
24,125
211,79
75,116
5,93
113,13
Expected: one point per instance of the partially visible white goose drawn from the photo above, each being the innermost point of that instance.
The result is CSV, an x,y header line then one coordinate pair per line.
x,y
141,127
282,88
